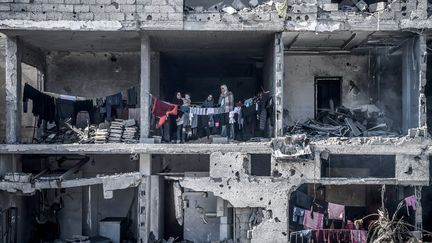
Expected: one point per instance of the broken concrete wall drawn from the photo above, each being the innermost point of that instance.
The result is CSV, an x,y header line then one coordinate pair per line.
x,y
413,80
2,86
72,218
300,73
243,191
198,227
151,13
11,163
386,84
92,75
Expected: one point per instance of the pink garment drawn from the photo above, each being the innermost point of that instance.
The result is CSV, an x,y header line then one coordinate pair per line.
x,y
336,211
411,201
313,223
358,236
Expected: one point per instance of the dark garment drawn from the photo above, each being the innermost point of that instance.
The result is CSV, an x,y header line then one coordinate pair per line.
x,y
303,200
85,105
43,104
65,109
113,100
132,98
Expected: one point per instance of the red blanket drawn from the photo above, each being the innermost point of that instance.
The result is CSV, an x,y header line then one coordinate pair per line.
x,y
162,110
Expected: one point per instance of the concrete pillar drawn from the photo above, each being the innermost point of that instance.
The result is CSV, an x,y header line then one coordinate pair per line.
x,y
278,83
422,64
413,83
156,206
143,200
89,211
13,91
419,209
145,99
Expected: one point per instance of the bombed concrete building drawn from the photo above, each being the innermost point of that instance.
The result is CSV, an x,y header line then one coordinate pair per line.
x,y
215,121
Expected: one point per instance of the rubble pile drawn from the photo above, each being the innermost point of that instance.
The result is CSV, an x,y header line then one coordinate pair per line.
x,y
353,6
117,131
292,147
364,121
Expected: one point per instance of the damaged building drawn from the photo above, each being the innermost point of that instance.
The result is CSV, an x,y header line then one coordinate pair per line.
x,y
215,121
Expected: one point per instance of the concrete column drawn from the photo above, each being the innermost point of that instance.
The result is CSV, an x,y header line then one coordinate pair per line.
x,y
13,91
419,209
278,83
156,206
143,200
145,101
422,65
89,211
413,83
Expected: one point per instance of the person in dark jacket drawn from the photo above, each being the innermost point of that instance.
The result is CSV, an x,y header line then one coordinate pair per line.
x,y
207,121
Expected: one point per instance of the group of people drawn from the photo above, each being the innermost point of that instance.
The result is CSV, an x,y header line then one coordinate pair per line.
x,y
180,121
181,127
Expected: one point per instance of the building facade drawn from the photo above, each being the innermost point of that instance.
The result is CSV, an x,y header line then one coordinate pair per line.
x,y
363,63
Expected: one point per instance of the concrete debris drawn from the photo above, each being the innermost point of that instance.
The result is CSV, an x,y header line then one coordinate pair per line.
x,y
292,147
18,177
125,131
229,10
377,7
343,122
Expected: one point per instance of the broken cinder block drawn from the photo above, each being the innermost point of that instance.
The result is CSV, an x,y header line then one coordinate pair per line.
x,y
376,7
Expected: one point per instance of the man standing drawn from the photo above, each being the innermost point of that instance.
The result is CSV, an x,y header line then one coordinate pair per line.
x,y
226,103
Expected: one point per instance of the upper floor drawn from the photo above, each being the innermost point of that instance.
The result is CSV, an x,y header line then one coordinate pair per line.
x,y
310,15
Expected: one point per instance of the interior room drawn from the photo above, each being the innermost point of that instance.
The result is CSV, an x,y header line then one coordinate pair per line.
x,y
64,196
355,84
76,86
345,211
241,61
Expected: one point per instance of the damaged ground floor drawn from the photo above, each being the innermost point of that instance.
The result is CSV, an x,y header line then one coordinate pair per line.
x,y
196,193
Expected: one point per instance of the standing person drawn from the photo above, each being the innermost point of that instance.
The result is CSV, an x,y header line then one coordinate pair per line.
x,y
187,123
207,120
226,103
177,100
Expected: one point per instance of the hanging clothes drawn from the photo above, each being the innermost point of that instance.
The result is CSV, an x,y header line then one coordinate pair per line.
x,y
336,211
298,215
313,220
132,97
65,109
162,110
411,201
43,104
113,100
358,236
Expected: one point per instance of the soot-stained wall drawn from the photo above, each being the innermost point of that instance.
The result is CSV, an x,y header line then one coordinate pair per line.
x,y
380,86
90,74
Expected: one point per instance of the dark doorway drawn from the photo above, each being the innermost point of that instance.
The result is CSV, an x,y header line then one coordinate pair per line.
x,y
327,89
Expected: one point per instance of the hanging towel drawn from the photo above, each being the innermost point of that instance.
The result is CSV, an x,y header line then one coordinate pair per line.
x,y
411,201
313,220
358,236
336,211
